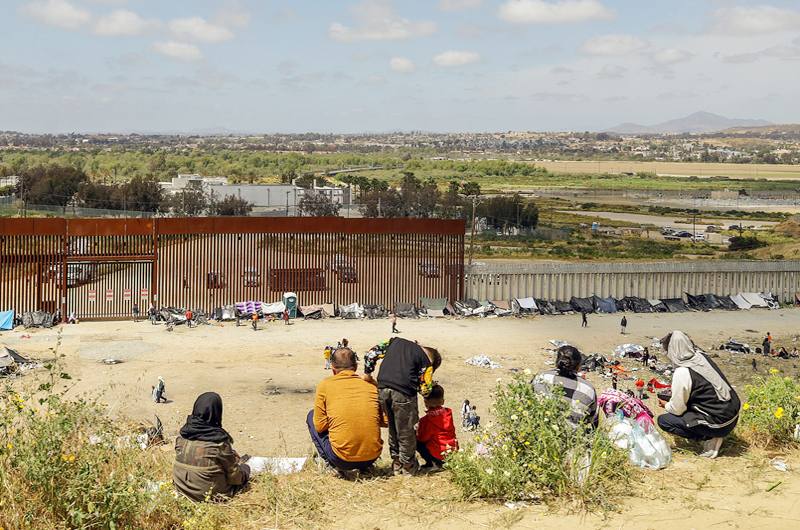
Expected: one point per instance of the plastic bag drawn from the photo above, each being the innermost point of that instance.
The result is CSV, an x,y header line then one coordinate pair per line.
x,y
647,448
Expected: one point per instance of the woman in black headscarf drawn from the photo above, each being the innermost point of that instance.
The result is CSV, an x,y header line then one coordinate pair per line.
x,y
206,466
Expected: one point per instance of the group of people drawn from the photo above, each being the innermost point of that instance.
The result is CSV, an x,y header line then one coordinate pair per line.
x,y
350,410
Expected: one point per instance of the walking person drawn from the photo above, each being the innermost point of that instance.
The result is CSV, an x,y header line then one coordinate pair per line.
x,y
160,388
189,317
135,311
151,311
755,366
394,323
255,321
286,318
583,319
623,323
767,345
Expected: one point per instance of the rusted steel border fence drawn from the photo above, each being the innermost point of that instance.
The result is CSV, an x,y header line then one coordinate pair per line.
x,y
100,268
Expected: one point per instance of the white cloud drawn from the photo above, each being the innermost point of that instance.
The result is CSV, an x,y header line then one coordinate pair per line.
x,y
671,56
456,58
402,65
133,59
459,5
616,44
757,19
375,21
58,13
373,80
122,22
201,30
232,14
612,71
563,12
178,50
781,52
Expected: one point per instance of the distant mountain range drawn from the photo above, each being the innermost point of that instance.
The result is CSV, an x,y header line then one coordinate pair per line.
x,y
210,131
699,122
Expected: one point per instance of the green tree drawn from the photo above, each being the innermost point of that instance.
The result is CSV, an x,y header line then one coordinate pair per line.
x,y
317,205
54,185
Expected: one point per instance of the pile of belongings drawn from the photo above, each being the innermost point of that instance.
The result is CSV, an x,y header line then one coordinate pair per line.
x,y
405,310
698,303
590,363
375,311
628,350
563,308
635,304
6,320
275,308
482,361
467,307
734,346
176,316
351,312
501,308
11,361
436,307
658,306
313,312
526,305
227,312
545,307
37,319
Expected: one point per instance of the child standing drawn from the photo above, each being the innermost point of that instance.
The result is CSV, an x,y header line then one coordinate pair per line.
x,y
255,321
327,355
407,369
436,433
640,389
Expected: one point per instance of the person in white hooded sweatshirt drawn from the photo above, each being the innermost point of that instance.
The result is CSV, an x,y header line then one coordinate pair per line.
x,y
703,405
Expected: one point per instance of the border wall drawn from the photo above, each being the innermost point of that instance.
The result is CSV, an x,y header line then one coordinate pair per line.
x,y
561,281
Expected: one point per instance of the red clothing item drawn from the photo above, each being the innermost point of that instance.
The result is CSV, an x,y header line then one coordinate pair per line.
x,y
437,431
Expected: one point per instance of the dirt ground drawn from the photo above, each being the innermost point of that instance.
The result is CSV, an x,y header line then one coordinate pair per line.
x,y
267,380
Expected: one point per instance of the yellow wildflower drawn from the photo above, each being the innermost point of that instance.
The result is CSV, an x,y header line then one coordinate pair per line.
x,y
745,406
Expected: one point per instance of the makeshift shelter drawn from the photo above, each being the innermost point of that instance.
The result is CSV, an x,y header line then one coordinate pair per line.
x,y
698,303
351,311
712,301
9,360
433,303
637,305
37,319
676,305
527,304
736,347
740,302
449,309
375,311
6,320
226,312
313,312
621,306
726,303
658,306
562,307
405,310
545,307
250,307
582,304
466,307
754,299
501,304
329,309
606,305
272,309
434,313
628,350
771,301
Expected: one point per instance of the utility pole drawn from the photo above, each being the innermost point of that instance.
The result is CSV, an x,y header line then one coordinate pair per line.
x,y
287,203
472,235
183,203
21,194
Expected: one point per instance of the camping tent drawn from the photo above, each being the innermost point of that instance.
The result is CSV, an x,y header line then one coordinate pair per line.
x,y
675,305
374,311
740,302
271,309
6,320
606,305
754,299
433,303
37,319
582,304
637,305
712,301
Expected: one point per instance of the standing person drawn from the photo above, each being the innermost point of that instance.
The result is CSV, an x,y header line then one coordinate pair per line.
x,y
394,323
583,319
436,434
206,466
135,311
151,311
767,345
464,412
327,355
640,389
474,420
255,321
614,380
238,313
189,317
703,405
645,356
624,324
407,369
755,366
160,389
286,318
346,422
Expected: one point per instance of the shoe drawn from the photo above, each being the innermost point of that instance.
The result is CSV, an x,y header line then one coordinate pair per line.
x,y
428,469
397,467
410,468
711,448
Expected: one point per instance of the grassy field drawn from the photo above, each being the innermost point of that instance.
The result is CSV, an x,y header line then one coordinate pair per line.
x,y
738,171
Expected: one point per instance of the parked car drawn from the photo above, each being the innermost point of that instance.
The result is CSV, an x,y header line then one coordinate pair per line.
x,y
337,262
348,274
683,234
733,227
699,237
711,228
667,231
428,269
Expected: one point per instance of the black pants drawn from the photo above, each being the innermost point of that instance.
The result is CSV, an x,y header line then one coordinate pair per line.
x,y
255,323
394,328
426,455
677,425
583,323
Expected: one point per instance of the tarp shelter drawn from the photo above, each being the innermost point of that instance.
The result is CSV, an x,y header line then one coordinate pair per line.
x,y
37,319
375,311
433,303
449,309
274,308
606,305
502,304
351,311
527,303
698,303
405,310
771,301
329,309
726,303
628,350
621,305
6,320
249,307
8,358
435,313
754,299
712,301
562,307
227,312
313,311
545,307
637,305
675,305
582,304
740,302
657,305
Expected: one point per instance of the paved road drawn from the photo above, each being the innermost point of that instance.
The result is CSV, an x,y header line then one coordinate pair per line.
x,y
671,221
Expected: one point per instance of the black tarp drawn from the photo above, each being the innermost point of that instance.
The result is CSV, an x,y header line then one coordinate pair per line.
x,y
712,301
582,304
660,307
562,307
637,305
405,310
726,303
675,305
375,311
37,319
606,305
621,306
698,303
545,307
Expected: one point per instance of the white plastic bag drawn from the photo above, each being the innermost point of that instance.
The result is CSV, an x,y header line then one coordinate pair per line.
x,y
647,448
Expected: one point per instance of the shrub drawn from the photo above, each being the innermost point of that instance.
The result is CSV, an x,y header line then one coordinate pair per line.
x,y
531,450
772,407
745,243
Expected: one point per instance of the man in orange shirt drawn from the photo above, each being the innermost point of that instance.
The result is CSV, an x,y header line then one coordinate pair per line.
x,y
346,422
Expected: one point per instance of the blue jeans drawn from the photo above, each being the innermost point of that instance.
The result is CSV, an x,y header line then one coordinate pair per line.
x,y
323,444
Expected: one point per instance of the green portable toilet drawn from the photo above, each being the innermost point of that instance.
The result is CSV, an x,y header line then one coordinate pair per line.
x,y
290,301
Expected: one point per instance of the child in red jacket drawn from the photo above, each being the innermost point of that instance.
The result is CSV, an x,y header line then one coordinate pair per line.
x,y
436,433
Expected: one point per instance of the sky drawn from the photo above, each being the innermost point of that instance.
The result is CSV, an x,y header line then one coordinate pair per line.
x,y
334,66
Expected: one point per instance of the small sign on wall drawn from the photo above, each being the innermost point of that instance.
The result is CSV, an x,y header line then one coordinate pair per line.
x,y
126,294
145,294
109,295
92,295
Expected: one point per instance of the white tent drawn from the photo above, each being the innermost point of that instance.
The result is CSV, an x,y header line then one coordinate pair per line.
x,y
527,303
754,299
740,302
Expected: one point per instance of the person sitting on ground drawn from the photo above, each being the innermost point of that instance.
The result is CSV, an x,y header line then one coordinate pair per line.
x,y
73,318
436,434
407,369
577,391
703,405
206,466
346,422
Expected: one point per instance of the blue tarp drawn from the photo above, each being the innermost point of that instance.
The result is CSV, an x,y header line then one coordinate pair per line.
x,y
606,305
6,320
